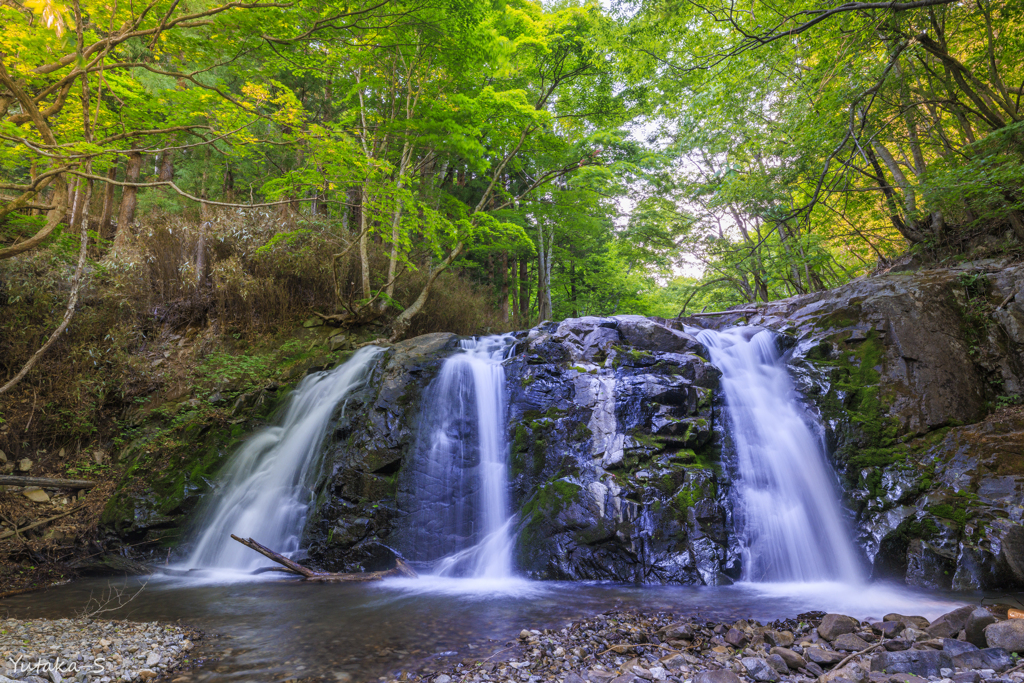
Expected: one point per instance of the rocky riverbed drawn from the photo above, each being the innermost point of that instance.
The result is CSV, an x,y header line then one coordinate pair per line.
x,y
91,650
967,645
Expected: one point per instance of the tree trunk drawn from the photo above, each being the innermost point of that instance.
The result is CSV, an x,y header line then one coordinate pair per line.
x,y
524,290
228,189
364,257
404,319
107,216
504,286
166,167
572,289
513,274
129,200
544,275
75,197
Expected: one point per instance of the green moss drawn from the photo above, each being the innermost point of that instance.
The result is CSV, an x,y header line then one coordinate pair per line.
x,y
527,380
957,513
630,356
856,379
551,499
688,496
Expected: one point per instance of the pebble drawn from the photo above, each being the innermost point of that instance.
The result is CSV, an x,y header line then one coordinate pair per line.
x,y
633,647
90,650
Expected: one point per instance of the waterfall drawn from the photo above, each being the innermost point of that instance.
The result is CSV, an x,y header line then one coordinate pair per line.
x,y
265,489
458,503
787,510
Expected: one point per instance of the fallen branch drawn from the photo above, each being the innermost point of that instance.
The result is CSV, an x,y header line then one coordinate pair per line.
x,y
8,534
844,662
1007,299
401,568
14,480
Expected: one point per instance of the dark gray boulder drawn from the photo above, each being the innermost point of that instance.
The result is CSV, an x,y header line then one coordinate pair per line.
x,y
922,663
995,658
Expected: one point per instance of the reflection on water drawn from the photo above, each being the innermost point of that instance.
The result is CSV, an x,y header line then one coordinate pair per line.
x,y
275,630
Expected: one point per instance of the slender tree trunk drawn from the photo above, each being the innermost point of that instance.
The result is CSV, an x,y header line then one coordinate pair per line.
x,y
504,286
544,274
572,289
228,188
513,274
129,200
107,217
364,257
75,194
524,290
396,219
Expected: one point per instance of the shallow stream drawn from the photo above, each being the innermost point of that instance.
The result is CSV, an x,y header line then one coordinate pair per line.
x,y
277,630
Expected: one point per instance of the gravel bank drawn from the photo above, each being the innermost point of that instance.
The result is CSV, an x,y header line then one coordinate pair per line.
x,y
619,647
52,651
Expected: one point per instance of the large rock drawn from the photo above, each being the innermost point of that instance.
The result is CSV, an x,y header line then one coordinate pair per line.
x,y
613,455
977,622
911,621
995,658
823,657
850,642
792,659
835,625
922,663
951,623
759,669
644,333
1008,635
957,647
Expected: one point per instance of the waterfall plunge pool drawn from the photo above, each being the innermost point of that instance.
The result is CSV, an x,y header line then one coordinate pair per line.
x,y
275,630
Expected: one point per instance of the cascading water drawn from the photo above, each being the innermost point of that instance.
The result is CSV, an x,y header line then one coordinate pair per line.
x,y
458,504
787,510
265,491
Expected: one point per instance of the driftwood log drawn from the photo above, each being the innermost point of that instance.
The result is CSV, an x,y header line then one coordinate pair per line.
x,y
12,480
290,567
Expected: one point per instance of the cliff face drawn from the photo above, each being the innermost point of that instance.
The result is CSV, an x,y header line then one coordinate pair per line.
x,y
614,452
916,376
620,463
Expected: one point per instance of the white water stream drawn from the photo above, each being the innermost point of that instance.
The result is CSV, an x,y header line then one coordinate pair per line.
x,y
461,516
265,490
787,510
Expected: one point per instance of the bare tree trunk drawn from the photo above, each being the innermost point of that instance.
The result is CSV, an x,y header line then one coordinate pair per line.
x,y
75,193
107,216
129,200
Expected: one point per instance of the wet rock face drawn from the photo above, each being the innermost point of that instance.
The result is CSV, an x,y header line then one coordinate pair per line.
x,y
614,455
894,364
354,517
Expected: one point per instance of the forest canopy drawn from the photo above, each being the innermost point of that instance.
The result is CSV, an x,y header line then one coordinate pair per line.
x,y
566,158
